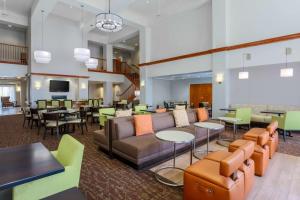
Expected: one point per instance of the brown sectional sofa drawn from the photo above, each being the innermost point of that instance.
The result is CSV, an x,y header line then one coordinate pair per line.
x,y
143,151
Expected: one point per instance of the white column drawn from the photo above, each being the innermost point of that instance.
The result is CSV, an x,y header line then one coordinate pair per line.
x,y
146,96
219,60
83,88
108,93
108,53
145,44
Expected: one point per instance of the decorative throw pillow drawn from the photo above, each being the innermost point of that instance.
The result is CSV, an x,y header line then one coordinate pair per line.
x,y
143,124
123,113
178,107
202,114
161,110
181,118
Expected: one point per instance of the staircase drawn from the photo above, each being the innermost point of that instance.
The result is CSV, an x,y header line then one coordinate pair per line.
x,y
132,73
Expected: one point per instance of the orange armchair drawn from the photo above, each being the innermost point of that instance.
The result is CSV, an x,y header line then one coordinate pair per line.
x,y
211,180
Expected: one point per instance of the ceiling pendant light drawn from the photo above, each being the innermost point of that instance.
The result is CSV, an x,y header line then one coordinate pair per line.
x,y
91,63
287,72
82,54
42,56
244,74
109,22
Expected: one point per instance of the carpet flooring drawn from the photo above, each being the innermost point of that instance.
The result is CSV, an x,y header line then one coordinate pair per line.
x,y
101,177
108,179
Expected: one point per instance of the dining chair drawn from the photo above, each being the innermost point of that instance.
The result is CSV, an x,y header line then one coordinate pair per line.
x,y
55,103
90,102
68,104
105,114
95,115
69,154
81,121
288,122
34,117
96,103
41,104
27,115
52,122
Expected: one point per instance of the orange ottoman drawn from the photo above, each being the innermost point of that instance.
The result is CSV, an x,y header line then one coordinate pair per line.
x,y
247,167
260,155
211,180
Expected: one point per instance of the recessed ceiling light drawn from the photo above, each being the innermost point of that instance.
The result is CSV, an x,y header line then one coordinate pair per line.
x,y
9,25
148,1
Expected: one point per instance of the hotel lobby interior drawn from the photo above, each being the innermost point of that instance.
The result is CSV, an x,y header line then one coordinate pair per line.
x,y
149,100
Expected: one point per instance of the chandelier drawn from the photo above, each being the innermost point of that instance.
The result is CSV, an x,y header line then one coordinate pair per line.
x,y
42,56
109,22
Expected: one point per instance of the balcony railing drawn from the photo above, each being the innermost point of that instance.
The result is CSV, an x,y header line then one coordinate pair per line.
x,y
13,54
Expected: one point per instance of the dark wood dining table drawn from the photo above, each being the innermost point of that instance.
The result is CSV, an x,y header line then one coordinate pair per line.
x,y
72,194
276,112
228,109
23,164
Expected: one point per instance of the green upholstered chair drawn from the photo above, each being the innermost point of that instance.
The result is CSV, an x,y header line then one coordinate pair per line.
x,y
55,103
41,104
244,114
288,122
69,154
68,104
104,114
138,110
96,102
90,101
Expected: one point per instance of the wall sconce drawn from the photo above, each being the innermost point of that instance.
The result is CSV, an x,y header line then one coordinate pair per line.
x,y
18,88
137,93
83,86
142,83
220,78
37,85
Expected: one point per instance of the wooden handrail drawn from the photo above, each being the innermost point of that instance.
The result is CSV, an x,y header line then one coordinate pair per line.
x,y
227,48
13,45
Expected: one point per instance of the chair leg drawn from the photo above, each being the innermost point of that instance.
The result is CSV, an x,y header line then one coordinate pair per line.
x,y
284,135
28,124
57,132
24,122
81,127
45,132
86,128
39,127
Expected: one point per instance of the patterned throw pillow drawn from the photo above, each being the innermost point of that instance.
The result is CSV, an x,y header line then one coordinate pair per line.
x,y
181,118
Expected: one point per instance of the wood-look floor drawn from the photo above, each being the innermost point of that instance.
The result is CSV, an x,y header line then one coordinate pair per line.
x,y
281,181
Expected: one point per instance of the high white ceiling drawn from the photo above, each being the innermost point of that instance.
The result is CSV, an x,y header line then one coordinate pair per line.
x,y
21,7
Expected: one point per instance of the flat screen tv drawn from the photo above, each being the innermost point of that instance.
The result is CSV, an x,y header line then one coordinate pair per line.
x,y
59,86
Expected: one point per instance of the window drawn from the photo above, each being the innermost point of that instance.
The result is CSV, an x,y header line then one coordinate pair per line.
x,y
8,91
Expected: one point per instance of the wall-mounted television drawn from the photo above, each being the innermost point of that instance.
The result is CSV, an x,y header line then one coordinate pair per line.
x,y
59,86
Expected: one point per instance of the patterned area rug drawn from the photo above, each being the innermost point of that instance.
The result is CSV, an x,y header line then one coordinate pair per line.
x,y
101,177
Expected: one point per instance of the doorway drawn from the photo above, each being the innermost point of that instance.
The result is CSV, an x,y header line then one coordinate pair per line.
x,y
200,93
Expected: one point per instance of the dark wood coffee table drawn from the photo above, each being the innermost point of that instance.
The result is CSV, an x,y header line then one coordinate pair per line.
x,y
25,163
72,194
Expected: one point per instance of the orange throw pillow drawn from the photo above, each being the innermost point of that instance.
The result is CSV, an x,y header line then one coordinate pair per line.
x,y
143,124
161,110
202,114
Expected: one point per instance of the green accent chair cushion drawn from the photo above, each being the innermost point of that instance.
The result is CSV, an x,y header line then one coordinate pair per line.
x,y
138,110
42,104
289,121
90,101
103,118
68,104
96,103
244,114
69,154
55,103
261,118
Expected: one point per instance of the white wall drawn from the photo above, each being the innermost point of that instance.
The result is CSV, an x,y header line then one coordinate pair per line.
x,y
43,92
161,91
260,19
182,33
61,37
96,50
12,36
265,86
14,70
